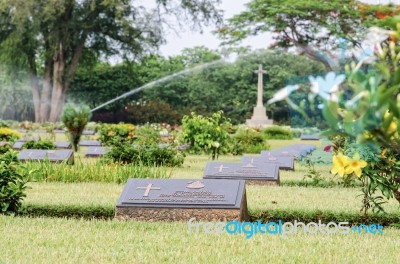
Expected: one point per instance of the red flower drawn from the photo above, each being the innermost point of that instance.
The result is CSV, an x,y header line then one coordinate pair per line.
x,y
380,15
328,148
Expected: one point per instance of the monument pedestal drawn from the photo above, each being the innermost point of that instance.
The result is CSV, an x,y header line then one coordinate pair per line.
x,y
259,118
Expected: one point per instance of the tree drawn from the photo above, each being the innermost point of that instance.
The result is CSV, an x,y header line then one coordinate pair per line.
x,y
314,27
50,37
231,87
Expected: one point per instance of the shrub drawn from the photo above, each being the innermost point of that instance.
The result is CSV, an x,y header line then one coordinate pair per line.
x,y
248,141
3,124
111,134
75,121
116,132
276,133
41,144
12,183
7,134
207,134
144,154
5,148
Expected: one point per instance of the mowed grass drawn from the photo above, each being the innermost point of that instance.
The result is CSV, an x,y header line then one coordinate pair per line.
x,y
259,198
47,240
59,240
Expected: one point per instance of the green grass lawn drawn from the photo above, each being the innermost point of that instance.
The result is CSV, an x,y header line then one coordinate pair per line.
x,y
52,240
61,240
259,198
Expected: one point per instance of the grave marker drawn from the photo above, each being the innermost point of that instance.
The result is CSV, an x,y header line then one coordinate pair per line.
x,y
283,162
96,151
89,143
310,137
253,173
60,155
182,199
63,145
88,132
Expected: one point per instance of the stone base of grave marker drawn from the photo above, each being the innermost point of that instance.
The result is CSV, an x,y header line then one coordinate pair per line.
x,y
263,182
259,118
181,214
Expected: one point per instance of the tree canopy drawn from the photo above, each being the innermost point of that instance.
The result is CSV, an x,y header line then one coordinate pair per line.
x,y
230,87
314,27
48,38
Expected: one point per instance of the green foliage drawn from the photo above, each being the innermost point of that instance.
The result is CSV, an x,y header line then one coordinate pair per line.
x,y
41,144
12,183
7,134
207,134
153,111
365,119
312,177
277,133
95,85
75,120
110,133
315,26
248,141
5,148
148,155
4,124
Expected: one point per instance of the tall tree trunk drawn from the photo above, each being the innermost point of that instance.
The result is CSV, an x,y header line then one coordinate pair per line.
x,y
46,92
58,76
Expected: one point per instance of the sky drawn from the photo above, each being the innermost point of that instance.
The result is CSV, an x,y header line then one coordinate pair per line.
x,y
187,39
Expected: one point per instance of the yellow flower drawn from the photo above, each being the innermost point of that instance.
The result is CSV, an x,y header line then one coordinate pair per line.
x,y
367,135
383,153
392,128
355,166
339,164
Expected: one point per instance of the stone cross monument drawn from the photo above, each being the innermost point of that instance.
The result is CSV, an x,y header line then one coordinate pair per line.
x,y
259,118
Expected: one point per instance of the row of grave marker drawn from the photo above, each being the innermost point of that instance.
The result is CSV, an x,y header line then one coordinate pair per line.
x,y
220,195
58,131
262,169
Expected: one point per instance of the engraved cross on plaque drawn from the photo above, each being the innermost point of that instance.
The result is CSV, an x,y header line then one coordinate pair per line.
x,y
260,86
221,167
148,188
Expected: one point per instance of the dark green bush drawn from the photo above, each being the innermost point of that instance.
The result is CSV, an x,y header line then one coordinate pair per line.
x,y
41,144
12,183
75,120
144,154
5,148
276,133
248,141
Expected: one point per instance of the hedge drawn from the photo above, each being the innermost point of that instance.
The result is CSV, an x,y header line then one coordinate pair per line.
x,y
107,212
